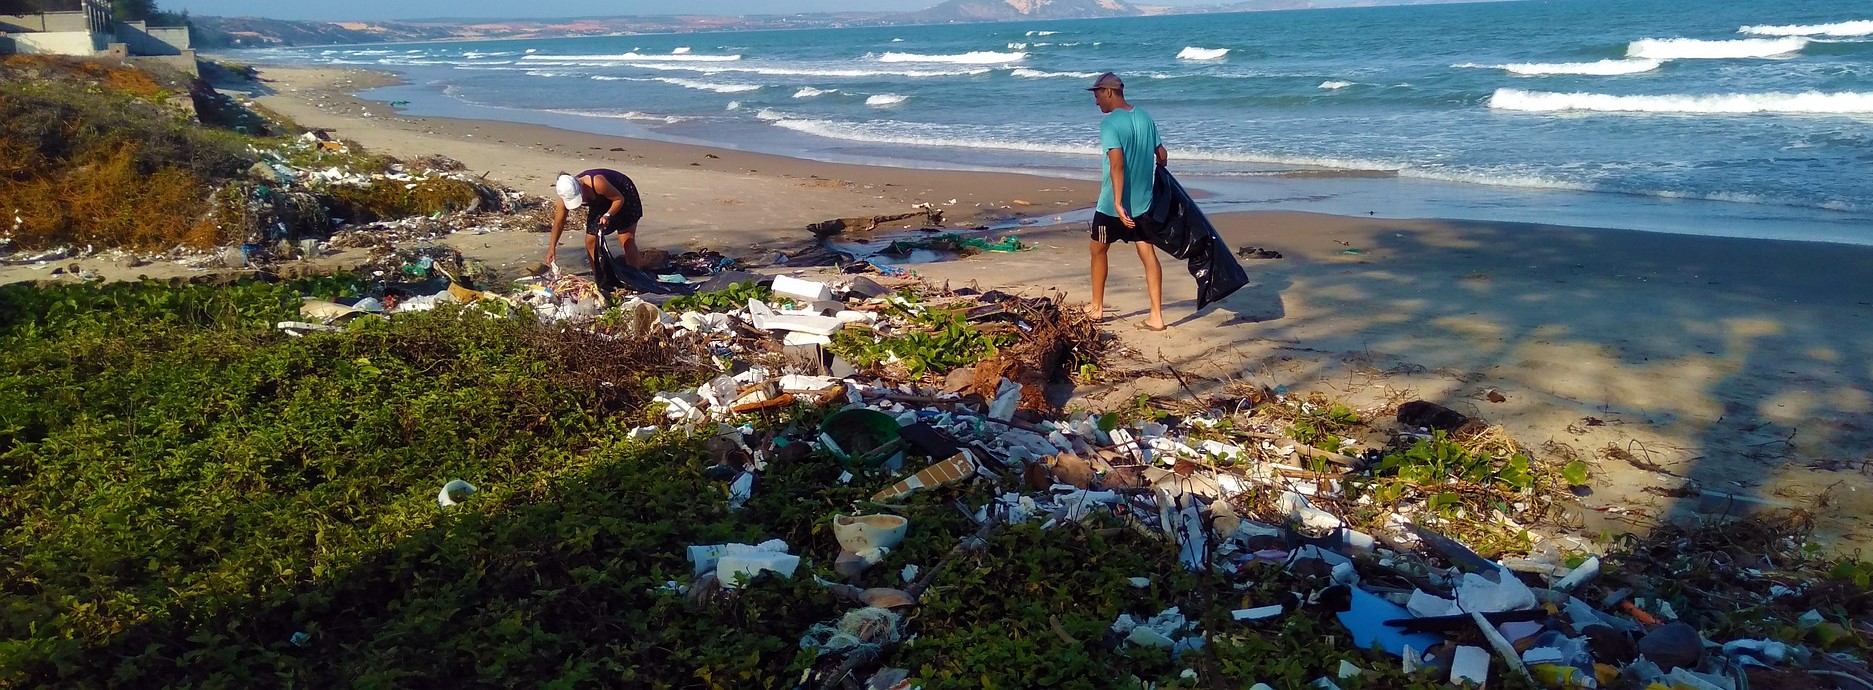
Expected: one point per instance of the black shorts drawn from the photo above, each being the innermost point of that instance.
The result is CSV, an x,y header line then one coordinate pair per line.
x,y
628,216
621,221
1108,229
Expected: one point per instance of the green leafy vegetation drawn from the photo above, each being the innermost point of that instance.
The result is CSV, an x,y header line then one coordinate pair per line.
x,y
937,340
729,299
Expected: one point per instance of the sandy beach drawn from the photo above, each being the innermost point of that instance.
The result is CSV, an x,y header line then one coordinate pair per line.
x,y
1732,373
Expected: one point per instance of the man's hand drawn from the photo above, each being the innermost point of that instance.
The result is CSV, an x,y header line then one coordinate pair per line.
x,y
552,253
1126,218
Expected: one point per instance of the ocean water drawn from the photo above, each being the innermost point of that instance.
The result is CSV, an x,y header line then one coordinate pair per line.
x,y
1704,116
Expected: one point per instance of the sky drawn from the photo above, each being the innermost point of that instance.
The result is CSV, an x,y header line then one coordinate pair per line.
x,y
516,9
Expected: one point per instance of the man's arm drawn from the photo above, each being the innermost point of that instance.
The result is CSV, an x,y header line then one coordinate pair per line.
x,y
1116,161
559,223
1163,157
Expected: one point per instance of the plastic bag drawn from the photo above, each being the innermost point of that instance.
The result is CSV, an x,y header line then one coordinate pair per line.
x,y
1176,225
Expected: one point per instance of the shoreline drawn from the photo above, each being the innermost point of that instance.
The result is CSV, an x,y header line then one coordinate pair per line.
x,y
1733,368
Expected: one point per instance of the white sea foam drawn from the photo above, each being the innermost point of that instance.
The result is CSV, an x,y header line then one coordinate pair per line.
x,y
733,105
1602,68
1195,53
980,57
631,57
1042,33
897,40
1693,49
530,51
1017,46
810,92
680,51
1335,85
1809,102
1026,73
1863,27
816,72
627,115
847,132
885,99
707,86
601,77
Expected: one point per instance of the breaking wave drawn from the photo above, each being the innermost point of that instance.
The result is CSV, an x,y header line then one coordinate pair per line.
x,y
1602,68
1195,53
885,99
630,57
627,115
1042,33
1026,73
1694,49
1862,27
1335,85
980,57
706,86
810,92
813,72
1809,102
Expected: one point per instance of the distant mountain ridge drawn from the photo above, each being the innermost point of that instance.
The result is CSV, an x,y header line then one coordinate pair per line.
x,y
1014,10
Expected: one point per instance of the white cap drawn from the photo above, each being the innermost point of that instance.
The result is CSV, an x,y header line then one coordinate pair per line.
x,y
569,192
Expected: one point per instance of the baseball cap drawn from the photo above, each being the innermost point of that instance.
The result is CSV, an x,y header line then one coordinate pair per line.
x,y
569,192
1107,81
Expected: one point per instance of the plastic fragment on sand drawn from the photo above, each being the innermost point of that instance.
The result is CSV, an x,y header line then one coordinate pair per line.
x,y
1470,665
806,290
1366,617
1580,575
1502,592
1348,669
955,469
1007,397
1256,614
455,487
740,490
731,567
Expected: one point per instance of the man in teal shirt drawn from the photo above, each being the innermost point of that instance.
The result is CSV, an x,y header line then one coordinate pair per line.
x,y
1129,139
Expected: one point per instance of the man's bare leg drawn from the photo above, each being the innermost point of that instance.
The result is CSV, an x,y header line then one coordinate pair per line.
x,y
1097,308
1154,282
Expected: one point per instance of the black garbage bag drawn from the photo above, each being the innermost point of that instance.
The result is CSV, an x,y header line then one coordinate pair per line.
x,y
1177,226
612,273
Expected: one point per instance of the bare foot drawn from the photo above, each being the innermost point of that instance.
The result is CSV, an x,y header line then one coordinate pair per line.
x,y
1098,312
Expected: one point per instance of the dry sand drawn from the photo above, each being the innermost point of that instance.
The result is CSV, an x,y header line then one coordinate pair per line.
x,y
1735,366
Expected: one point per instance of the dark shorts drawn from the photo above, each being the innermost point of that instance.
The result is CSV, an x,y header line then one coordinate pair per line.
x,y
1108,229
628,216
623,220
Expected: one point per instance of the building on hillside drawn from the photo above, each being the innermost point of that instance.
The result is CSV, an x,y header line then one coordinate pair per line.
x,y
88,28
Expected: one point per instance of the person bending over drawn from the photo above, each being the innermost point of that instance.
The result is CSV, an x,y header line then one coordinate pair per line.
x,y
613,206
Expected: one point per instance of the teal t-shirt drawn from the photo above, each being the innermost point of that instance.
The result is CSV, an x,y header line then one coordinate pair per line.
x,y
1135,133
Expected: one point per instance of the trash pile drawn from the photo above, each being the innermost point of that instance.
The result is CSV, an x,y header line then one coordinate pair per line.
x,y
942,394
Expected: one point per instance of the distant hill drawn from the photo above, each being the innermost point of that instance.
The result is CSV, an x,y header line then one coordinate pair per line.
x,y
1013,10
256,32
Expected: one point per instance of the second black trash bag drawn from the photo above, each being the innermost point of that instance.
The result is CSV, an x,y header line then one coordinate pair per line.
x,y
612,273
1176,225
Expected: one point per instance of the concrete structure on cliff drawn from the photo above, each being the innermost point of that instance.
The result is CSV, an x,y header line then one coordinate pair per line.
x,y
90,29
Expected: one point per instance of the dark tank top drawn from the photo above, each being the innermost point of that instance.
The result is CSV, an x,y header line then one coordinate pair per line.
x,y
633,206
